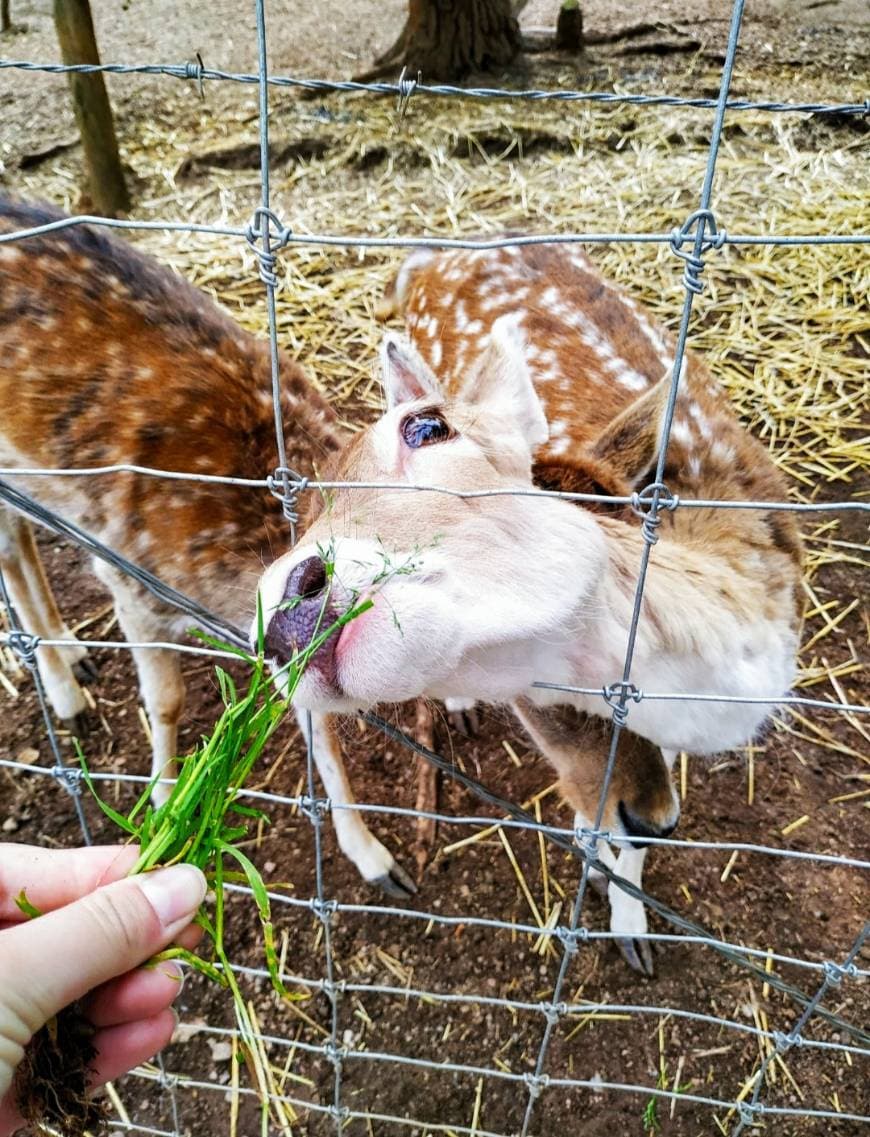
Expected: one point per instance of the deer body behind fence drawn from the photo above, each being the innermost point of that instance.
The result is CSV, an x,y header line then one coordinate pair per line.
x,y
107,357
526,364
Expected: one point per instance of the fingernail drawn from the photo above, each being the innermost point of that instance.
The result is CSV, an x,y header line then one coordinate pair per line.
x,y
174,893
175,972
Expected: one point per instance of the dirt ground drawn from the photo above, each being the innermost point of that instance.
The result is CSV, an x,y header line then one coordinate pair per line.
x,y
810,769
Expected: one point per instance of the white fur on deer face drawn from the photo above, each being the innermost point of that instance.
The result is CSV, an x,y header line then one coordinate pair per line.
x,y
468,595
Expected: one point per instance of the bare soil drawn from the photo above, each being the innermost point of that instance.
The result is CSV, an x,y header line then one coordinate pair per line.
x,y
803,769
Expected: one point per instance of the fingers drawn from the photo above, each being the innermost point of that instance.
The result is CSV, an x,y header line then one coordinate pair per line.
x,y
137,995
190,937
143,992
120,1048
71,951
52,878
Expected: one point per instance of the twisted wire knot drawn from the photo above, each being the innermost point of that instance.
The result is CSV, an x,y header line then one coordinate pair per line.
x,y
324,909
785,1042
195,71
335,1054
617,695
314,808
646,504
571,938
266,227
406,88
747,1111
287,485
552,1012
166,1081
69,777
587,841
703,243
835,973
23,645
536,1083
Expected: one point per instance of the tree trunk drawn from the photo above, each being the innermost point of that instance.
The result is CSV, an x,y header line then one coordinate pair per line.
x,y
75,33
447,39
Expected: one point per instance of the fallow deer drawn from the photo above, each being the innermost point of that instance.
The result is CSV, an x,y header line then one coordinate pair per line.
x,y
525,365
107,358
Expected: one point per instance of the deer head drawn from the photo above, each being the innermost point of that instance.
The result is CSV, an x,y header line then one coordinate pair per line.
x,y
468,595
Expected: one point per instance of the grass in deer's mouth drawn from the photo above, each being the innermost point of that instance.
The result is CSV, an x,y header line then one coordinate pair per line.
x,y
203,823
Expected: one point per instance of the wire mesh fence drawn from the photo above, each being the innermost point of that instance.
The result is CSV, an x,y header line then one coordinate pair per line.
x,y
565,932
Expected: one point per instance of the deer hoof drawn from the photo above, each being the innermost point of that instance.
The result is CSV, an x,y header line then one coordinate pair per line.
x,y
80,725
638,955
85,670
396,883
462,716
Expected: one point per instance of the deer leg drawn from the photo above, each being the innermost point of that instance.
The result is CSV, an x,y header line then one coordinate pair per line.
x,y
373,860
627,913
640,803
160,682
462,715
37,611
56,626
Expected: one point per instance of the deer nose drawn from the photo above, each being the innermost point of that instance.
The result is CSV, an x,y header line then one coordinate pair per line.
x,y
304,613
636,826
307,580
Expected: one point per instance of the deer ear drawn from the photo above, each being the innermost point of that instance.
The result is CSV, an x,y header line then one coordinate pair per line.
x,y
501,377
629,444
405,374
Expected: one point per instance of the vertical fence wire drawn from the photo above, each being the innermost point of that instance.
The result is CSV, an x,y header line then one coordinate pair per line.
x,y
24,645
315,809
653,495
749,1112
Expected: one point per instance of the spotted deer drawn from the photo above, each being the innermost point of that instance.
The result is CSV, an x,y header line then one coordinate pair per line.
x,y
525,366
106,357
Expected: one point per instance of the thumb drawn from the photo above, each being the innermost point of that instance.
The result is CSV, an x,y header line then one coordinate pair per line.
x,y
57,958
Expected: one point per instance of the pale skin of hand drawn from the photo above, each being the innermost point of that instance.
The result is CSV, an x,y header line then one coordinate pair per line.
x,y
97,927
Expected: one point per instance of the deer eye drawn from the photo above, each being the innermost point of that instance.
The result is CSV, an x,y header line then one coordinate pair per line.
x,y
424,429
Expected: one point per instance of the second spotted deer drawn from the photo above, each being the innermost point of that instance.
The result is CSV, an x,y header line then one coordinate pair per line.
x,y
523,367
107,357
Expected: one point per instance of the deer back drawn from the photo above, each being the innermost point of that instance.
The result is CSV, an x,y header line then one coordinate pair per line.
x,y
107,357
601,366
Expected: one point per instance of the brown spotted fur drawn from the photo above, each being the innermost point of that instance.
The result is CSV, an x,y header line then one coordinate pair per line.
x,y
107,357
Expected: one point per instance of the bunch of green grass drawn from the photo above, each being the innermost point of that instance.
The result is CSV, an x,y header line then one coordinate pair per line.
x,y
203,822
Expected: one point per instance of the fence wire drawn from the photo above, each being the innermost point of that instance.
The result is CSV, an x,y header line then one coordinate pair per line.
x,y
267,236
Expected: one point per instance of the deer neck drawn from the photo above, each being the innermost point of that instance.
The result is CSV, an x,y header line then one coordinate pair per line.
x,y
705,627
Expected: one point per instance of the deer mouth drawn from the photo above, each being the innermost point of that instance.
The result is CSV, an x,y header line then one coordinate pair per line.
x,y
300,636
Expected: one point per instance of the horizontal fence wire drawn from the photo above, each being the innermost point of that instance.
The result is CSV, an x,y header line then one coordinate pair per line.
x,y
298,485
350,241
267,237
198,73
300,801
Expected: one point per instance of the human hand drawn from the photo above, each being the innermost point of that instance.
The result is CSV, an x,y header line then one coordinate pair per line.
x,y
95,931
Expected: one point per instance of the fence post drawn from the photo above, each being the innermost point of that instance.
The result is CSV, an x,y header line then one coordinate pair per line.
x,y
75,33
